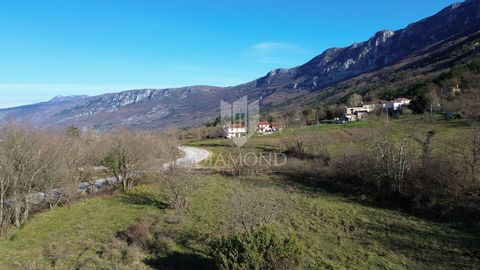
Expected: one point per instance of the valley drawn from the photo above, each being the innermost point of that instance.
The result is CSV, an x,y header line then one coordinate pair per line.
x,y
354,155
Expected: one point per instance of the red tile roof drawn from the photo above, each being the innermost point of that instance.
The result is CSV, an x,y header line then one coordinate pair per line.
x,y
236,126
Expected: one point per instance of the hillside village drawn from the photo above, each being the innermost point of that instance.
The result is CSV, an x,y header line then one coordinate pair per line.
x,y
236,130
392,107
364,157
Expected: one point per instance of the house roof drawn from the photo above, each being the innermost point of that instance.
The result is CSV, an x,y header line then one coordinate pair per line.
x,y
236,126
371,103
400,99
354,108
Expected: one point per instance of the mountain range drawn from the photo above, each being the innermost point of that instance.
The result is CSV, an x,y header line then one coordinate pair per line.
x,y
422,47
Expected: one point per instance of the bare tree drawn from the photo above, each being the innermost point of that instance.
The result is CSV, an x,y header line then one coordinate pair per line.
x,y
180,186
25,161
335,110
473,159
469,150
288,117
39,168
131,155
85,155
320,114
256,207
5,186
355,100
306,113
58,180
393,156
435,102
426,145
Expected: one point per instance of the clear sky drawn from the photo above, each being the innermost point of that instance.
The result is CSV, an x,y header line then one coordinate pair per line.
x,y
65,47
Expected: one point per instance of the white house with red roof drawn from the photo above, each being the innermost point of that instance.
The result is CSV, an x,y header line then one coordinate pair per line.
x,y
266,127
362,112
235,130
395,104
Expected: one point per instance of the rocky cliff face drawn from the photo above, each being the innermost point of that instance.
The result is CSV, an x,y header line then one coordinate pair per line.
x,y
110,102
385,48
161,108
142,108
40,112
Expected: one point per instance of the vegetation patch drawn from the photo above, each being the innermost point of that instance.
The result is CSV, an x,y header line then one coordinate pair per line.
x,y
62,237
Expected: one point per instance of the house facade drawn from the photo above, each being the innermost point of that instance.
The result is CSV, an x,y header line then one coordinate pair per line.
x,y
268,127
235,130
264,127
362,112
452,90
240,130
395,104
277,126
358,113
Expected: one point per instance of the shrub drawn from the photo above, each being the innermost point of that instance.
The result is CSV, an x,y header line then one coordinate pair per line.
x,y
180,187
115,255
239,162
261,249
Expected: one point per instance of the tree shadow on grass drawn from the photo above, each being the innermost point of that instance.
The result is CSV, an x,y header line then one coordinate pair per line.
x,y
447,247
181,261
144,199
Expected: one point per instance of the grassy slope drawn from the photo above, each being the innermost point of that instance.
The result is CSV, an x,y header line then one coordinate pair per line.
x,y
335,232
340,138
74,229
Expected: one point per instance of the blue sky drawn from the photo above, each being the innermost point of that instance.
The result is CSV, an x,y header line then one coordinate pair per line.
x,y
60,47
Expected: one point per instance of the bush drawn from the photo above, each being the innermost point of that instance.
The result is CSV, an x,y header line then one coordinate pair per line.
x,y
114,255
261,249
180,187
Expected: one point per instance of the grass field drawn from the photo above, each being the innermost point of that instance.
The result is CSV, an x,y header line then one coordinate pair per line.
x,y
341,138
335,233
70,232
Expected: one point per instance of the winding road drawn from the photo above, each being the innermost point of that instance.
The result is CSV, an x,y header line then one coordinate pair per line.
x,y
192,156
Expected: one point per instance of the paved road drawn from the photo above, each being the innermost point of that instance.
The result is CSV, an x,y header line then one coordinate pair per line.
x,y
192,156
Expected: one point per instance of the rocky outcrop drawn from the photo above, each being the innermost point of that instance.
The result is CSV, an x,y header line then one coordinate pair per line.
x,y
162,108
383,49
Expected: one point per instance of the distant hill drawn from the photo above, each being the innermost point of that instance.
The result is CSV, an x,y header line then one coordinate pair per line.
x,y
40,112
387,59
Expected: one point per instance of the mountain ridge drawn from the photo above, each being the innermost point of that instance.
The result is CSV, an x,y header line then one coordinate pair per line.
x,y
184,106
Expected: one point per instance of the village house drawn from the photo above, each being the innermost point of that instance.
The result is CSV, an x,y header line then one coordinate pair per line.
x,y
452,90
239,130
277,127
359,113
264,127
395,104
235,130
268,127
362,112
354,114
